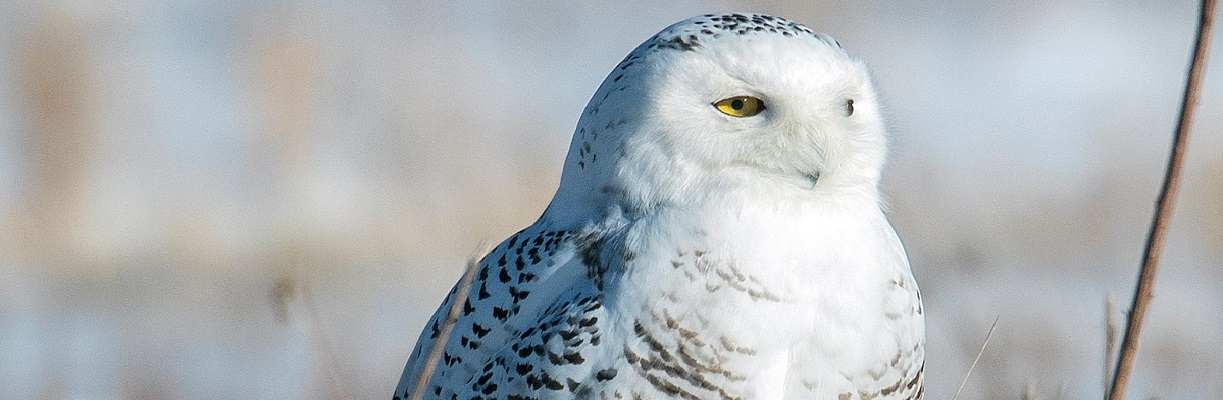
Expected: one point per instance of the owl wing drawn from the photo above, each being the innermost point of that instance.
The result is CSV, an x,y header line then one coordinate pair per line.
x,y
521,282
559,355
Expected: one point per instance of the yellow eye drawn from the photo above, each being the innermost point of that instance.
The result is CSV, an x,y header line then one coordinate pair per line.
x,y
740,106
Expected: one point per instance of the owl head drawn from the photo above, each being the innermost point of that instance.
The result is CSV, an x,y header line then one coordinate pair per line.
x,y
726,105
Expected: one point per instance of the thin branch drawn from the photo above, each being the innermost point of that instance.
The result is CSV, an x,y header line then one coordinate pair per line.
x,y
452,317
1110,342
1163,211
979,353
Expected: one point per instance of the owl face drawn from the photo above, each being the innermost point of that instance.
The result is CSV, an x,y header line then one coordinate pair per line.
x,y
805,110
729,101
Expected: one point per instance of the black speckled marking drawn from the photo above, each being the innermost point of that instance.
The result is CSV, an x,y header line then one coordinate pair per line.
x,y
565,331
688,37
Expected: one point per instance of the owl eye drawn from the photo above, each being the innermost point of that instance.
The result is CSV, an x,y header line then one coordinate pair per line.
x,y
740,106
849,107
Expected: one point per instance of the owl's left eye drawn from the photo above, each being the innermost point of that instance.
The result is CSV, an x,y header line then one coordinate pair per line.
x,y
849,107
740,106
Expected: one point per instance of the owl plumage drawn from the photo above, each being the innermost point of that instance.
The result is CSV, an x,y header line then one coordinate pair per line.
x,y
717,233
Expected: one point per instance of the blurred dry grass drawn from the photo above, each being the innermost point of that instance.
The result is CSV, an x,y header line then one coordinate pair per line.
x,y
178,178
59,99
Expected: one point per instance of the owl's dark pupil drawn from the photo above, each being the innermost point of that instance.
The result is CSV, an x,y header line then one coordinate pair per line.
x,y
736,104
849,107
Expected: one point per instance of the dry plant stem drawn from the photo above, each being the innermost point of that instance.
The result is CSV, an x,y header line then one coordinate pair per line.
x,y
460,293
1110,341
974,361
1163,211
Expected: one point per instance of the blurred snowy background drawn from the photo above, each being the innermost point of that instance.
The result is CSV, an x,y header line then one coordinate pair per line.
x,y
267,199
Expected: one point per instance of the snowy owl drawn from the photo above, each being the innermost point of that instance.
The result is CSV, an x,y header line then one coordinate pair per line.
x,y
717,234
